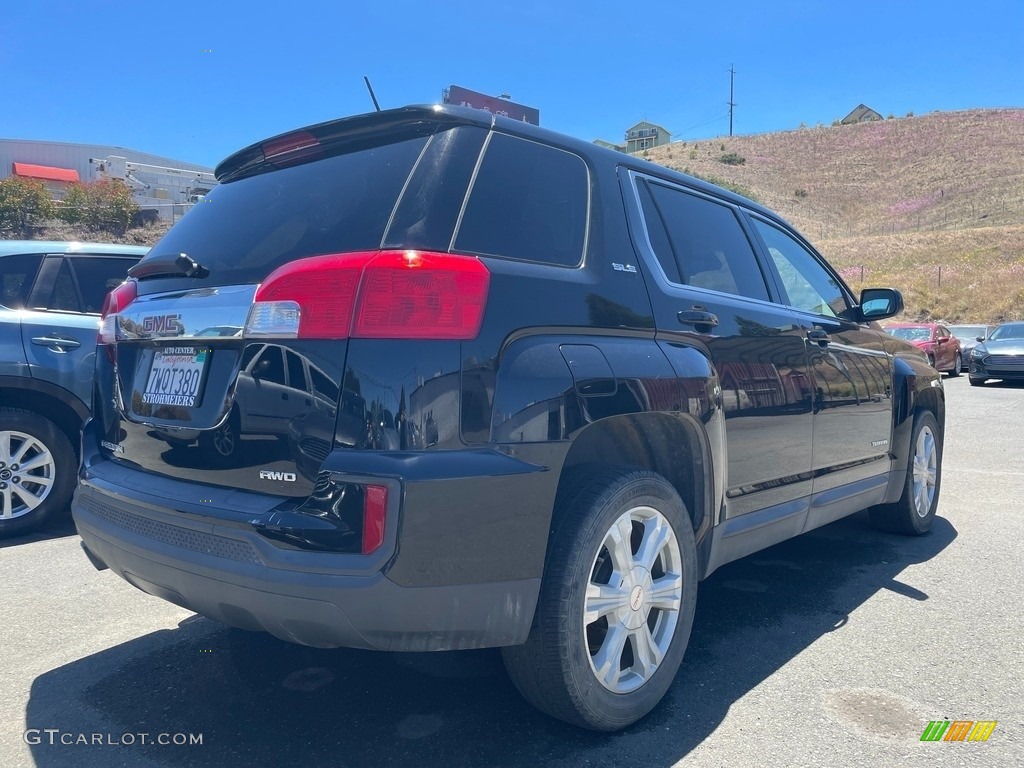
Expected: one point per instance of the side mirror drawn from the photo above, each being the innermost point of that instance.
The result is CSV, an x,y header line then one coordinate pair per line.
x,y
880,303
942,339
979,338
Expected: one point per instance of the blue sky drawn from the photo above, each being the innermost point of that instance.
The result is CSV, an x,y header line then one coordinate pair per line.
x,y
198,80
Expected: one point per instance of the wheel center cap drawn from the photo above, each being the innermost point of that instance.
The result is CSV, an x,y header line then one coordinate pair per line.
x,y
6,474
636,599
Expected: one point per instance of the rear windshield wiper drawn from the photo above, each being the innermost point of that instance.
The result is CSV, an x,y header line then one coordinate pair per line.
x,y
168,265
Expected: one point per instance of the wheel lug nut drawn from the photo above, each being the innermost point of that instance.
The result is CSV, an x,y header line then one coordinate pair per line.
x,y
16,479
14,467
3,486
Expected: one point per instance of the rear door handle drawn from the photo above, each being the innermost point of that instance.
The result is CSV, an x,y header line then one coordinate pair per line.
x,y
818,335
58,343
697,317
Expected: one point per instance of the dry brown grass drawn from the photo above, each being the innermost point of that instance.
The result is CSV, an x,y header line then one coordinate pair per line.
x,y
900,198
949,170
970,275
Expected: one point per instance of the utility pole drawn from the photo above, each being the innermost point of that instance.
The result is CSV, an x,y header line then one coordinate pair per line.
x,y
732,78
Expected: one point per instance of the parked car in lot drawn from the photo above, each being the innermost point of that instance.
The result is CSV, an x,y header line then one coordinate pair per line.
x,y
969,336
1000,356
51,294
534,390
935,340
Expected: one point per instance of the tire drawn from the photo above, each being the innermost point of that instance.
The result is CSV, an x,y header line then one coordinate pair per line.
x,y
557,670
914,513
958,366
976,381
37,467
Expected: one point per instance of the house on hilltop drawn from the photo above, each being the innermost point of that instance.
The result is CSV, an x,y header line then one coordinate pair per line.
x,y
645,135
861,114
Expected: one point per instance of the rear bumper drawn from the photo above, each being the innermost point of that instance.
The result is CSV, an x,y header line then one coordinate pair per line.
x,y
430,587
229,575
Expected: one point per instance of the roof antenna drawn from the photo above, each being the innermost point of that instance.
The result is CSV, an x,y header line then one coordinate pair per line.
x,y
370,89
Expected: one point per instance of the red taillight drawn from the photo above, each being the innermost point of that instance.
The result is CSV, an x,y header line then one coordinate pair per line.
x,y
375,509
115,302
416,295
380,295
322,287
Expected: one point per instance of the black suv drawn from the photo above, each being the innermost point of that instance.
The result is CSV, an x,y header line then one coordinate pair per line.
x,y
429,379
51,294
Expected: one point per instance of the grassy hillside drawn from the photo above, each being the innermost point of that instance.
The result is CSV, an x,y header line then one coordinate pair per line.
x,y
932,205
898,198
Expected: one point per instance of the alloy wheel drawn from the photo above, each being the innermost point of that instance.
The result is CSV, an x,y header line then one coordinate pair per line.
x,y
925,471
27,473
631,607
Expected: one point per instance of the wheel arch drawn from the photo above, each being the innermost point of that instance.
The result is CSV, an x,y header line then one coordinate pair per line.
x,y
56,404
670,444
917,389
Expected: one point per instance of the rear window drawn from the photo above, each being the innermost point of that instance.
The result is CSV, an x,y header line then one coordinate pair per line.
x,y
529,202
247,228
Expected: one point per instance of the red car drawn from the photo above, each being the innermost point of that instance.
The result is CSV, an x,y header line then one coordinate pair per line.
x,y
936,341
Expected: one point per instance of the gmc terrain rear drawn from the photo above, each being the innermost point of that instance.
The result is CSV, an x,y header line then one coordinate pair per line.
x,y
428,379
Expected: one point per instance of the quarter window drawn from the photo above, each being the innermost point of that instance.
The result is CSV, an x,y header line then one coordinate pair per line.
x,y
65,295
808,285
529,202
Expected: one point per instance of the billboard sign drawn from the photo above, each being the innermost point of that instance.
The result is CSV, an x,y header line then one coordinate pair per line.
x,y
463,97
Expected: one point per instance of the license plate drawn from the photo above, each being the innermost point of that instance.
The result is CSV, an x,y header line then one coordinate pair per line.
x,y
175,376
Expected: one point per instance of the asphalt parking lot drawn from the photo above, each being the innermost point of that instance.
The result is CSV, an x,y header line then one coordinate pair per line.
x,y
836,648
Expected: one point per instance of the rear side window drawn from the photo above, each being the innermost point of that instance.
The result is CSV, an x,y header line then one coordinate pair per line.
x,y
17,274
707,244
97,276
529,202
247,228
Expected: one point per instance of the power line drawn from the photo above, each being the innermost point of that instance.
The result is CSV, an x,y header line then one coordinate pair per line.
x,y
700,125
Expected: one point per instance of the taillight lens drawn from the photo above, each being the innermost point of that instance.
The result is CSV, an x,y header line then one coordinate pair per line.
x,y
115,302
309,298
373,294
375,510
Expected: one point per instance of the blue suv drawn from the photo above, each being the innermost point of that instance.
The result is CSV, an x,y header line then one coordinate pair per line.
x,y
51,294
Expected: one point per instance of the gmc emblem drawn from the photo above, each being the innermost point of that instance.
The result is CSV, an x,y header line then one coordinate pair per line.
x,y
163,324
267,474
